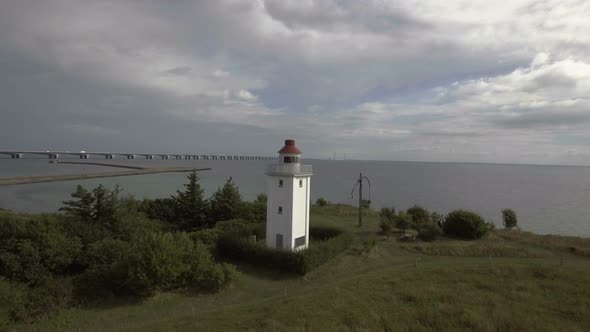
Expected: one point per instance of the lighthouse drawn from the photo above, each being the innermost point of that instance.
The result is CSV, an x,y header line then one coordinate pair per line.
x,y
287,211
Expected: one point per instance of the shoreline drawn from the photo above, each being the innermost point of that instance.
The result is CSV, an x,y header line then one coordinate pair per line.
x,y
84,176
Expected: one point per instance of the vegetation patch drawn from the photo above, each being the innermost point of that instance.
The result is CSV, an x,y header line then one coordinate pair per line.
x,y
325,244
571,244
465,224
471,250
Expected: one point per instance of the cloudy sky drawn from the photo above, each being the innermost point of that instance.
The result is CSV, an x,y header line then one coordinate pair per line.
x,y
480,81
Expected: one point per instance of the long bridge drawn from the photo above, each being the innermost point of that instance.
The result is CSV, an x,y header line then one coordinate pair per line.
x,y
129,155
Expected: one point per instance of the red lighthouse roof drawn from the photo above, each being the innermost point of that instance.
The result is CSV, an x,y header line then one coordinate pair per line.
x,y
290,147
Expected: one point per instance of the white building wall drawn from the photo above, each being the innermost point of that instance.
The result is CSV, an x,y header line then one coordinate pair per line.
x,y
294,221
279,223
300,210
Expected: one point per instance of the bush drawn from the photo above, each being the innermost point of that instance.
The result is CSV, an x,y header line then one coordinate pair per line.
x,y
386,227
403,221
323,233
12,296
155,261
236,246
34,248
207,237
322,202
386,220
44,299
240,226
509,218
429,232
419,215
464,224
437,219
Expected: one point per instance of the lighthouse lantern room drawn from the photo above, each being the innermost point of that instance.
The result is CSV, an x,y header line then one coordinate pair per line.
x,y
287,212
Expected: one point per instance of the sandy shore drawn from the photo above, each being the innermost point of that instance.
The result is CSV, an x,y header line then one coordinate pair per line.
x,y
82,176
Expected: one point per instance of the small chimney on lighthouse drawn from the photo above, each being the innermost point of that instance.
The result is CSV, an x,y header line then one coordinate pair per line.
x,y
287,187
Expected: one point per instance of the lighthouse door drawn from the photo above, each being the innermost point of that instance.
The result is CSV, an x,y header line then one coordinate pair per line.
x,y
279,243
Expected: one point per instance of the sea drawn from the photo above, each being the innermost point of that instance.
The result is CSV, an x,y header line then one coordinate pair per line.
x,y
547,199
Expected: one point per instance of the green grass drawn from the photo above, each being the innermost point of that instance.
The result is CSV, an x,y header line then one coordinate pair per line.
x,y
379,284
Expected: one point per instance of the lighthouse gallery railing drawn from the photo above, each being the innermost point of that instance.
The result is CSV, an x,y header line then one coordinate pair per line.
x,y
289,169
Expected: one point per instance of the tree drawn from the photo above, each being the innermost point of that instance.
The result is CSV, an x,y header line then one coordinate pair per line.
x,y
97,206
261,198
387,214
403,221
254,211
82,204
509,218
420,215
226,203
189,205
161,209
105,204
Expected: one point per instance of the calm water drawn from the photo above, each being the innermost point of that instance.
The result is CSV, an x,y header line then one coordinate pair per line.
x,y
547,199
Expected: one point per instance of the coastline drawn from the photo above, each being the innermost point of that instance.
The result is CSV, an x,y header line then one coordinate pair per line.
x,y
84,176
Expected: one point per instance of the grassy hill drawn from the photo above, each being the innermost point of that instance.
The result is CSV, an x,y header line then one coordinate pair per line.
x,y
507,281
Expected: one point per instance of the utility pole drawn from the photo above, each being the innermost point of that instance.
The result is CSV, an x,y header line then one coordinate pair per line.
x,y
359,183
360,199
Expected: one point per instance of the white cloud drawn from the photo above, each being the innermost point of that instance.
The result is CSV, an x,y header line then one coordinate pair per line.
x,y
452,80
246,95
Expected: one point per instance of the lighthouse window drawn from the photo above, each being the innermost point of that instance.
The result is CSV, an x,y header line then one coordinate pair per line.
x,y
290,160
300,241
280,183
300,183
280,210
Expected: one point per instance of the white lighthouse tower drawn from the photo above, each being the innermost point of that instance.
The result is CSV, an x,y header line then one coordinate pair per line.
x,y
287,211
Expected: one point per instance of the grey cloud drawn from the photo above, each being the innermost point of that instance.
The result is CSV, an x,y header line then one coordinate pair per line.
x,y
534,119
163,75
180,71
345,15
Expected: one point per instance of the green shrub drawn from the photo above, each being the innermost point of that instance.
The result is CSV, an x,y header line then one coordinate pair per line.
x,y
34,248
386,227
323,233
403,221
240,226
151,262
322,202
212,278
428,232
419,215
387,220
236,246
107,272
465,225
44,299
509,218
207,237
12,297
